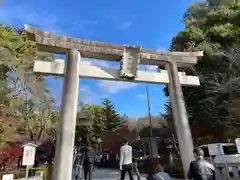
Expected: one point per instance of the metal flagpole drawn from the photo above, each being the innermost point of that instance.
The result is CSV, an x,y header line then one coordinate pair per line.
x,y
26,96
150,119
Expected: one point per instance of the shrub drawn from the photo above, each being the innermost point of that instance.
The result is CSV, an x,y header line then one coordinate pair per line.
x,y
21,173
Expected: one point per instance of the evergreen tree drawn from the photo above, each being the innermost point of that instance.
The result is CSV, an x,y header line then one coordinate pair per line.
x,y
111,117
213,26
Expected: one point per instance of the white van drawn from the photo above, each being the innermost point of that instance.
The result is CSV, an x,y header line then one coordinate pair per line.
x,y
227,153
228,149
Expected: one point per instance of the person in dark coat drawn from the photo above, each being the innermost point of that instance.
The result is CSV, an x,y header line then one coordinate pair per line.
x,y
88,162
201,169
135,168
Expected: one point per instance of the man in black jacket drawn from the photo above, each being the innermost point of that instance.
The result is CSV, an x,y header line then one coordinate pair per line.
x,y
88,162
201,169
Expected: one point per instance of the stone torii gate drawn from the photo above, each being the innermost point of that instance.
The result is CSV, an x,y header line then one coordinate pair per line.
x,y
130,57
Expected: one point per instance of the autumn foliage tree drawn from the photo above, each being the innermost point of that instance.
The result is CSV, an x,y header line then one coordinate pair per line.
x,y
23,94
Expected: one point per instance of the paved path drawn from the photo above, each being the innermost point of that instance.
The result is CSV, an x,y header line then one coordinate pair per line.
x,y
109,174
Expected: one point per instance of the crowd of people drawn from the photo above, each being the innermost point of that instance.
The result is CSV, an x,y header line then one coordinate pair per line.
x,y
84,160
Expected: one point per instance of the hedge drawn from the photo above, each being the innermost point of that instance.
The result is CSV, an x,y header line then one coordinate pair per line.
x,y
21,173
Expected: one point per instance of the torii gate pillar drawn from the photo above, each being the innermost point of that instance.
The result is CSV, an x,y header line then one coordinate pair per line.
x,y
180,118
66,125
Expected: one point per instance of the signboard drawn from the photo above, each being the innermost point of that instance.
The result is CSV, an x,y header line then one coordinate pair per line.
x,y
215,149
7,177
129,62
237,142
28,155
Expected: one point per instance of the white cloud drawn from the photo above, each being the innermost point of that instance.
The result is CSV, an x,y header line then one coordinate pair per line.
x,y
93,62
110,87
162,48
148,68
114,87
100,63
126,24
122,22
88,96
141,96
85,94
151,68
25,14
105,86
103,63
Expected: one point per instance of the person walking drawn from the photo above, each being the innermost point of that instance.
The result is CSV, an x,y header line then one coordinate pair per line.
x,y
201,169
88,162
135,168
78,164
126,160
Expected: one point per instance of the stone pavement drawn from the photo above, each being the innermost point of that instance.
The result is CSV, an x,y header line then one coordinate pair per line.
x,y
109,174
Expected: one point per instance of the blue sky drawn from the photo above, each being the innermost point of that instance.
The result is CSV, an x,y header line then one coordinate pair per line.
x,y
151,24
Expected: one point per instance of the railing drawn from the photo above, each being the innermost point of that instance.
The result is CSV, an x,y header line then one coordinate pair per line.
x,y
228,171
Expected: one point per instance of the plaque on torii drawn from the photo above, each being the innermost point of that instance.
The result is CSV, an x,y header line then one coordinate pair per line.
x,y
130,61
130,58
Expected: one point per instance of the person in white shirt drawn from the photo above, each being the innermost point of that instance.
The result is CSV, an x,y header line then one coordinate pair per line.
x,y
126,160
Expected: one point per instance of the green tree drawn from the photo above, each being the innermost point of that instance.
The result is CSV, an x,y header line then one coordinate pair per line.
x,y
94,120
89,123
15,51
170,135
213,26
17,55
111,117
235,107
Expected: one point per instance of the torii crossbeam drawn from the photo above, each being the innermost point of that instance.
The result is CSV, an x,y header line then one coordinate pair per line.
x,y
130,57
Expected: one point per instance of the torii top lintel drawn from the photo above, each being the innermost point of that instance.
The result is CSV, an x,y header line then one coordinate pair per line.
x,y
54,43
